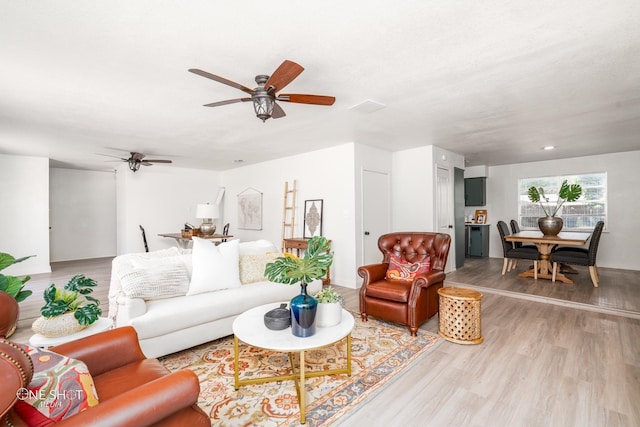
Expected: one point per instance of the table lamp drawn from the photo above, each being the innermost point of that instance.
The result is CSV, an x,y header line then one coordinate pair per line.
x,y
207,213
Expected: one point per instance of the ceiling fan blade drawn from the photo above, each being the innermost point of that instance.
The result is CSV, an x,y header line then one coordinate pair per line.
x,y
221,80
283,75
307,99
228,101
115,157
278,112
157,161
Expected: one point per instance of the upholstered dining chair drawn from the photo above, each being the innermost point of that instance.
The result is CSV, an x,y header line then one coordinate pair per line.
x,y
580,256
513,254
515,228
390,291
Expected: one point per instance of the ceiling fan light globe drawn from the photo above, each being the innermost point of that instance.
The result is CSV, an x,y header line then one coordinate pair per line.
x,y
263,105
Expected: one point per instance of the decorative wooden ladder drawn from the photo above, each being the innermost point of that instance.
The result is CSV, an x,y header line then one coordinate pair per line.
x,y
289,212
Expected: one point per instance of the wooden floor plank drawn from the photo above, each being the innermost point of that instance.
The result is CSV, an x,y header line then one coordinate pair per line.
x,y
540,364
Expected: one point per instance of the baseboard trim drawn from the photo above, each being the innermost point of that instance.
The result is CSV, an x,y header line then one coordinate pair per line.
x,y
546,300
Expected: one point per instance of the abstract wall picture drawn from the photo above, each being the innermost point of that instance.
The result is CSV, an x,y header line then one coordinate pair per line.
x,y
312,218
250,210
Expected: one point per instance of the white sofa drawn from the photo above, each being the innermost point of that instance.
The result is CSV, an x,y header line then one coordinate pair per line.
x,y
153,292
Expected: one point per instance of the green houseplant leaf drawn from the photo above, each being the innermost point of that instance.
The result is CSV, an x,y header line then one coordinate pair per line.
x,y
73,298
290,269
568,192
12,285
329,295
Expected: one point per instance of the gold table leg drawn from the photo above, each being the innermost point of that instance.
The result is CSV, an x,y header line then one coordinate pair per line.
x,y
298,378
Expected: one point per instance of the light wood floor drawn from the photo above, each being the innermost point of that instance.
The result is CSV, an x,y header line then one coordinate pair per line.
x,y
541,364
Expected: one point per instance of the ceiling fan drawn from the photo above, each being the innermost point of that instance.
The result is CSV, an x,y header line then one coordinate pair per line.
x,y
137,159
264,96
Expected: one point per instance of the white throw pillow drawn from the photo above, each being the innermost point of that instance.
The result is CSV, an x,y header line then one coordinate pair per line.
x,y
214,267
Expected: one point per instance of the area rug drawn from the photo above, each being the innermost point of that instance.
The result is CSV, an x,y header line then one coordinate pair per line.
x,y
380,352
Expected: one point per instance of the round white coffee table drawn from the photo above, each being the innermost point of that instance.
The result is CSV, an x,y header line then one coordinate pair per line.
x,y
249,328
100,325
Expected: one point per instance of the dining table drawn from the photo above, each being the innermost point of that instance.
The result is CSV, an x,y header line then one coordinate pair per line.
x,y
545,245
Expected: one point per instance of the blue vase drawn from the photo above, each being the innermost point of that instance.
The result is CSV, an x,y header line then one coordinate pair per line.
x,y
303,313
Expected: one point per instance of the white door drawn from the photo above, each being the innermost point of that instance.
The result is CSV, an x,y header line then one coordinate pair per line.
x,y
376,203
444,208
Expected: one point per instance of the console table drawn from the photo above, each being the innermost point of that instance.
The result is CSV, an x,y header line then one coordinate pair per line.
x,y
300,244
183,242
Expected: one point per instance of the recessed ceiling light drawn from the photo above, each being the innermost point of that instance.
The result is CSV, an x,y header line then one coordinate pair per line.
x,y
548,147
368,106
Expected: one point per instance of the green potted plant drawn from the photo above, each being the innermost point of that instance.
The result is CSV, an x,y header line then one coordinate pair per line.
x,y
12,285
11,293
329,307
551,224
290,269
68,310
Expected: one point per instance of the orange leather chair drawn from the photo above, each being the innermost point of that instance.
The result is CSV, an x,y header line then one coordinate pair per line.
x,y
405,302
132,390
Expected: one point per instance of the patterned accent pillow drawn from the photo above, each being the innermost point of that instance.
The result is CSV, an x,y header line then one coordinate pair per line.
x,y
400,269
252,266
161,281
61,387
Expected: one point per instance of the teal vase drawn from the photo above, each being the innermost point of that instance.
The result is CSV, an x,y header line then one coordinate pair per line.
x,y
303,313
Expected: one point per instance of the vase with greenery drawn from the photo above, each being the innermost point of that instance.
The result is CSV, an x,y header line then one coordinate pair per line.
x,y
551,224
329,307
69,309
290,269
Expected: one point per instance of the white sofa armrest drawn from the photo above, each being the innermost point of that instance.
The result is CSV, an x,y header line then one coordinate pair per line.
x,y
129,308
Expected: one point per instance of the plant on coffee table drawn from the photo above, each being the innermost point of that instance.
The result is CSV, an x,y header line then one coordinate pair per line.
x,y
69,309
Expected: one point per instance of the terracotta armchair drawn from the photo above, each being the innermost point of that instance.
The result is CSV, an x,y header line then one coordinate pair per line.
x,y
132,390
407,302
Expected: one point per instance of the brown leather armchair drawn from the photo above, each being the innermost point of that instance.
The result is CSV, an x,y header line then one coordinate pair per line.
x,y
408,303
133,390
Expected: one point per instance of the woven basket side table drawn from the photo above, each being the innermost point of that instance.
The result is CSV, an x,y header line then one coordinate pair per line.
x,y
459,318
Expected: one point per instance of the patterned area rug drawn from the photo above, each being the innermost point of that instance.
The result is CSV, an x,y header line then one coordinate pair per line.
x,y
380,352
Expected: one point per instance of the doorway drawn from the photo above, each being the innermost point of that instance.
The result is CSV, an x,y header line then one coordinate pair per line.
x,y
376,217
444,210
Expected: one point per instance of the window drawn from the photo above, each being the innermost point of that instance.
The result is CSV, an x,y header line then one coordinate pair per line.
x,y
583,214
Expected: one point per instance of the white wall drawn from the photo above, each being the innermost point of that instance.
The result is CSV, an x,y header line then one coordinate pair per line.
x,y
82,214
161,199
24,217
325,174
619,243
413,190
413,186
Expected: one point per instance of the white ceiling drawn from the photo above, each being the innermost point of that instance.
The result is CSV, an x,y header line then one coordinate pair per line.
x,y
492,80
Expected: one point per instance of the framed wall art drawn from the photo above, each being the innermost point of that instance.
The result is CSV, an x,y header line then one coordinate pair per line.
x,y
312,218
250,209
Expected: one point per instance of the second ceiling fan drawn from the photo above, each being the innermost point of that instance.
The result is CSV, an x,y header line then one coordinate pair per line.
x,y
264,96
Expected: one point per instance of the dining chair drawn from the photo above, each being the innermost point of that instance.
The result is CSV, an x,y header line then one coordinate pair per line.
x,y
513,254
515,228
144,238
580,256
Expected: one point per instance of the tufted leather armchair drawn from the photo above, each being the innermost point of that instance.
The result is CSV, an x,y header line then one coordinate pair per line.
x,y
408,303
133,390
